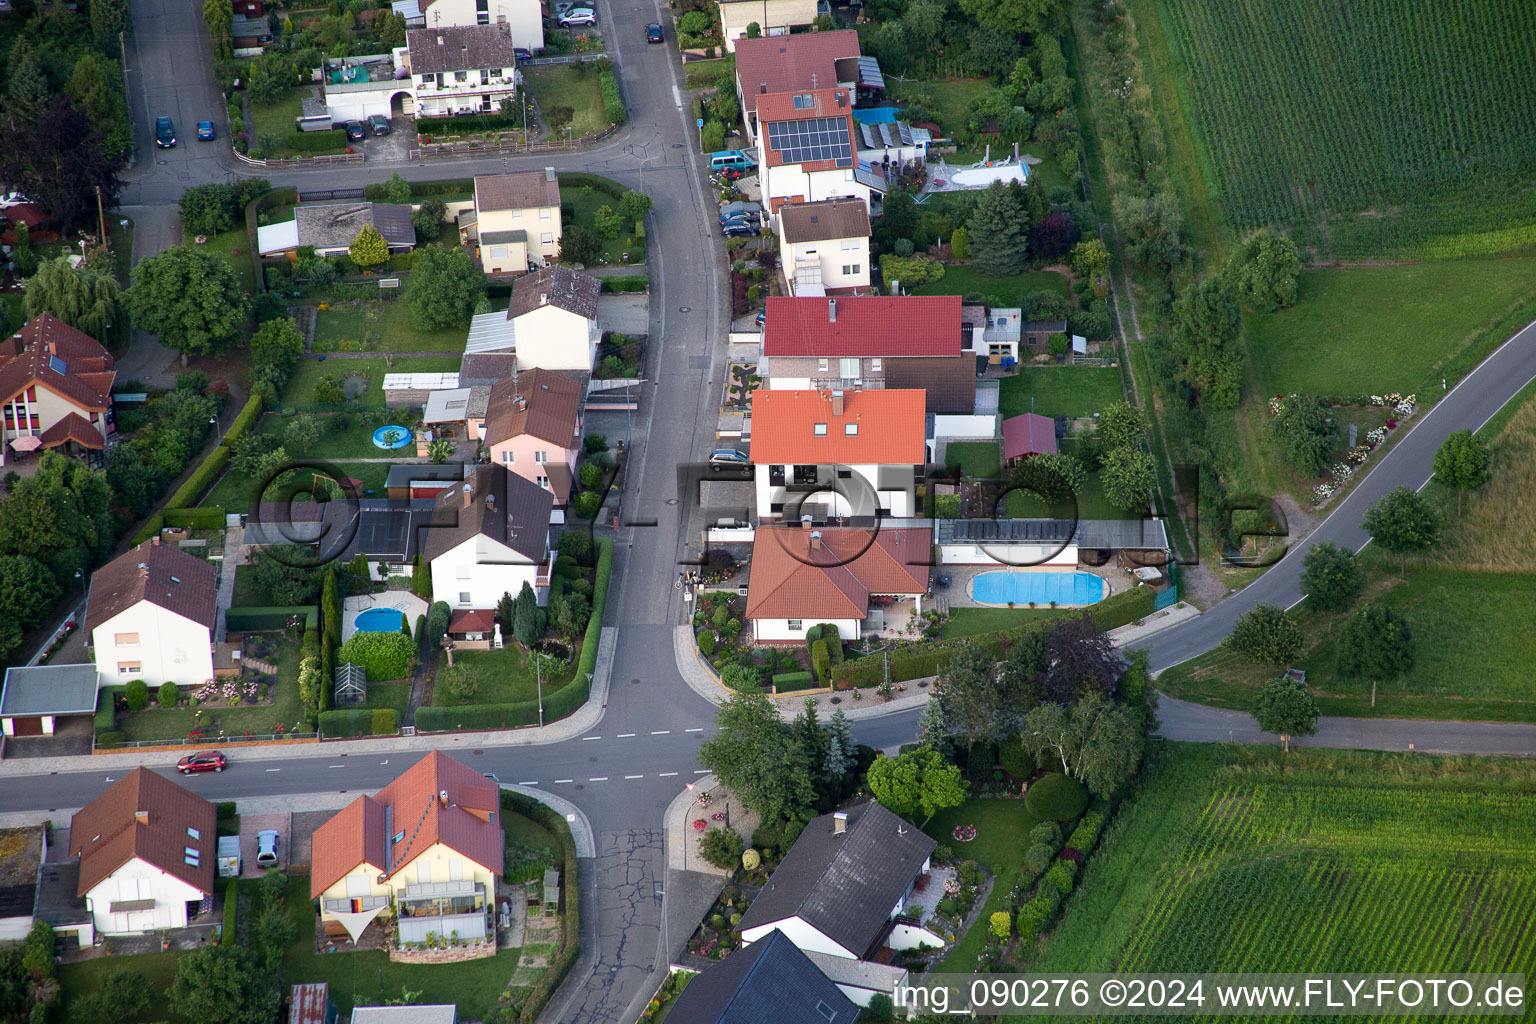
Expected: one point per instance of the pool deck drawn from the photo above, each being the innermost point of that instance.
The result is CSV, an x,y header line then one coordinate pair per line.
x,y
402,601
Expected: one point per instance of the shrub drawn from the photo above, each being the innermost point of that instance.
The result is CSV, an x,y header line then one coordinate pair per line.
x,y
1087,832
1060,876
225,810
169,694
577,545
834,642
385,722
381,655
722,847
737,676
707,643
1047,833
437,623
821,661
786,682
1001,924
109,739
1036,914
137,694
1015,758
947,906
1057,797
750,859
1037,859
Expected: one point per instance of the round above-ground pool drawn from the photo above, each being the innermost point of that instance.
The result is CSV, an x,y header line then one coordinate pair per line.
x,y
378,620
390,438
1038,587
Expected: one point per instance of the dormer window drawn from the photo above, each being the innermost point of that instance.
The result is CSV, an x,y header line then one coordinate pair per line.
x,y
820,430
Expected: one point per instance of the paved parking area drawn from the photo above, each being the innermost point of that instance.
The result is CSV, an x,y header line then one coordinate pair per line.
x,y
627,313
250,824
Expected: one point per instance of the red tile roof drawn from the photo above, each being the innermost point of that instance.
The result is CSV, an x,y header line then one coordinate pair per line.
x,y
864,325
73,427
793,63
467,823
27,358
1028,434
889,428
780,106
472,620
107,833
791,579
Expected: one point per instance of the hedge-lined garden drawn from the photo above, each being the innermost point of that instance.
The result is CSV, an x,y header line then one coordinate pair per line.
x,y
570,929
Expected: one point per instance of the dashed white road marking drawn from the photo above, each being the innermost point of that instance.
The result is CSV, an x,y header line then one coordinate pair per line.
x,y
585,738
634,776
660,732
624,736
558,781
600,778
700,729
666,774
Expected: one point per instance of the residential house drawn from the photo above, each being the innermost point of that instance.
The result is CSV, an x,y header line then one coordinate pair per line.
x,y
1026,435
806,149
1051,542
489,535
533,428
843,881
150,616
772,17
461,69
146,849
250,8
837,453
793,63
515,221
1001,335
55,388
550,322
523,18
410,10
802,576
770,980
824,247
331,228
869,343
427,847
34,698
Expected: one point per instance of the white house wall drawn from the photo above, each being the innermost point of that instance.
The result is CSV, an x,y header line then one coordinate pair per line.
x,y
551,338
171,896
803,935
524,18
1012,555
770,630
364,103
965,426
482,570
170,649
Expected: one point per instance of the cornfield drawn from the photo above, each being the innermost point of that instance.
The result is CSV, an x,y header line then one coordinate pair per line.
x,y
1373,129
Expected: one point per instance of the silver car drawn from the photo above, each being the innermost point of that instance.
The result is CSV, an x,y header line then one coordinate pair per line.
x,y
266,848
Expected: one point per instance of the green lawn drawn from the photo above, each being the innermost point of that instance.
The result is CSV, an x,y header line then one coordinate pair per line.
x,y
390,695
1091,504
583,206
301,386
506,676
965,622
355,442
276,123
1467,664
1060,390
701,74
382,327
569,85
1008,291
157,723
158,969
1001,829
1375,329
235,491
978,460
520,829
224,246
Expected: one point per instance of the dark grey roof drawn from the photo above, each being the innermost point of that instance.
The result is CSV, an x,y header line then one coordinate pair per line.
x,y
504,237
845,886
336,225
48,690
1031,531
494,503
460,48
1053,326
58,898
482,369
402,474
769,982
558,285
1142,534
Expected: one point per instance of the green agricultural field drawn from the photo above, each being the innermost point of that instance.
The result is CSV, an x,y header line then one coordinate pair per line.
x,y
1243,859
1060,390
1414,144
1378,329
1008,291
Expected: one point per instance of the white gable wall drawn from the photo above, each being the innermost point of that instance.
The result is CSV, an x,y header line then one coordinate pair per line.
x,y
170,648
552,338
523,17
481,570
803,935
140,880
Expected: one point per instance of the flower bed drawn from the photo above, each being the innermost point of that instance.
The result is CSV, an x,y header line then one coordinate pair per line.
x,y
1402,407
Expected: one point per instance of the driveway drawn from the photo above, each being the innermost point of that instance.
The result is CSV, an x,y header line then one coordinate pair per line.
x,y
250,824
627,313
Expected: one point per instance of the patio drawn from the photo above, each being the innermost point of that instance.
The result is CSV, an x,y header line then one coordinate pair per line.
x,y
403,601
923,902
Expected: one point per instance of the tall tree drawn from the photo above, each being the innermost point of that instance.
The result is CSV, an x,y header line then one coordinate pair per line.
x,y
369,248
754,754
27,94
527,617
191,299
1206,323
1375,644
1461,463
95,88
1128,478
1331,576
1153,229
108,19
85,298
60,516
933,726
57,158
1266,636
972,690
1403,523
444,287
1121,424
1285,707
842,750
1090,258
1015,18
810,736
1097,741
997,233
917,780
1076,657
1264,271
222,985
28,590
1055,476
277,343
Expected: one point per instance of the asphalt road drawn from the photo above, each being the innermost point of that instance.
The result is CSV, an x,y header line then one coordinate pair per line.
x,y
642,754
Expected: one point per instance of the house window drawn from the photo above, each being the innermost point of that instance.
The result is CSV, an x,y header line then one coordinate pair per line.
x,y
506,458
820,430
794,624
845,474
875,365
129,668
463,597
541,457
850,430
850,269
544,213
499,252
543,482
547,238
461,76
851,245
775,508
821,366
126,639
848,368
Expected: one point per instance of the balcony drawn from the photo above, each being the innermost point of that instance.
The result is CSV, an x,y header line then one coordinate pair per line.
x,y
443,908
354,904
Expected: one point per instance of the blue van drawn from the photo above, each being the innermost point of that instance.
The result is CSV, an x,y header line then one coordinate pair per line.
x,y
731,160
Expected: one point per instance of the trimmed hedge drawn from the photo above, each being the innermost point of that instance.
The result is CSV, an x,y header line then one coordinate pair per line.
x,y
1057,797
202,478
231,910
607,186
255,618
225,810
352,722
870,671
1086,835
788,682
381,655
821,661
570,948
1060,876
625,284
151,527
317,142
247,416
475,717
1123,608
106,708
594,633
1037,913
613,103
431,126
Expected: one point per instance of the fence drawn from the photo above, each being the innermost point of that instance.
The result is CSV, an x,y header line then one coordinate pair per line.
x,y
1170,597
190,743
335,193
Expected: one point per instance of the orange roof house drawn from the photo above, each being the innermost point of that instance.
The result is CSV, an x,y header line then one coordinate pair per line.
x,y
882,427
55,388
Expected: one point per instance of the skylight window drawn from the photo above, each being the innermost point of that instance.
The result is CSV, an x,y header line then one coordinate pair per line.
x,y
193,833
820,430
851,429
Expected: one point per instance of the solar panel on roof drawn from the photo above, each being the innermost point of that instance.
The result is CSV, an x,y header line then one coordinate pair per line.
x,y
57,365
816,138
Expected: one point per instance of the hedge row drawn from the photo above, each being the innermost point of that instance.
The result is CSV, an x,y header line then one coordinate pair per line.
x,y
477,717
625,284
431,126
613,103
594,634
253,211
106,708
570,948
231,909
1123,608
317,142
788,682
442,186
202,478
350,722
253,618
246,418
607,186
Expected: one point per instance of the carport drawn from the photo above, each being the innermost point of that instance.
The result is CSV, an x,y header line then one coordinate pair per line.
x,y
36,696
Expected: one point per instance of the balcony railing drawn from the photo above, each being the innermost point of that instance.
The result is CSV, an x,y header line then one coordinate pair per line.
x,y
354,905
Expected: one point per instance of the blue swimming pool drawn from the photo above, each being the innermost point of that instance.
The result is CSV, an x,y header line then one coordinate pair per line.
x,y
1039,587
378,620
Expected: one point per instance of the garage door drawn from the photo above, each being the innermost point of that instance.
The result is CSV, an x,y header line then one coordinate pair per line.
x,y
31,725
427,492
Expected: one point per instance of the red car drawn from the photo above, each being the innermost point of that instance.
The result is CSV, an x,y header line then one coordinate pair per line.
x,y
204,761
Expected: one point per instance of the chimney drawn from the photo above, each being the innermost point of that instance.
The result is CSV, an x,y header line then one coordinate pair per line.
x,y
842,99
549,174
469,495
543,298
837,403
490,502
142,817
442,797
143,570
439,40
155,540
831,311
839,823
762,87
815,540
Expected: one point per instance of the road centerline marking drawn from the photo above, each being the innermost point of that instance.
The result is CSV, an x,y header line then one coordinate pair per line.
x,y
586,738
666,774
599,778
634,776
660,732
558,781
624,736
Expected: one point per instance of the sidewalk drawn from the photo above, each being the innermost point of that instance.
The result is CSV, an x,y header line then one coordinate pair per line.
x,y
1154,623
576,725
682,838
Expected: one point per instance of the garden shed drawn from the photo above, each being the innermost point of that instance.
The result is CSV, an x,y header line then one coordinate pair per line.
x,y
551,891
351,685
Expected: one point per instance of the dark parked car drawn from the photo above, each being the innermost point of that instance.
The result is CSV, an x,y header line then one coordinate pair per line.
x,y
165,132
740,208
522,54
356,131
736,229
203,761
205,131
762,318
378,124
653,34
